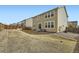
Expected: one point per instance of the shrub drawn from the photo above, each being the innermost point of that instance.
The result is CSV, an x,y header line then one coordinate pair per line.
x,y
26,28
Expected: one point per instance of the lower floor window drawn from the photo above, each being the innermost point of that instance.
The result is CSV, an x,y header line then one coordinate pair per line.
x,y
52,24
46,25
49,24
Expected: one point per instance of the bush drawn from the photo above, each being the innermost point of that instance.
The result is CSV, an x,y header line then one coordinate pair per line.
x,y
72,29
26,28
66,30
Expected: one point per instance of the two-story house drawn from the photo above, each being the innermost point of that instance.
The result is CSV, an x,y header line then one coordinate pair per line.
x,y
54,20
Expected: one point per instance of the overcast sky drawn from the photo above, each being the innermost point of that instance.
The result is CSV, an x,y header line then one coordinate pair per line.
x,y
12,14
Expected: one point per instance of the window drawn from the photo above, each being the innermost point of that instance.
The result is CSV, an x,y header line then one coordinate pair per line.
x,y
48,24
45,16
49,14
52,14
39,26
52,24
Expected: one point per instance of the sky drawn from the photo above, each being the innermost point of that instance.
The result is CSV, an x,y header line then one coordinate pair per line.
x,y
14,13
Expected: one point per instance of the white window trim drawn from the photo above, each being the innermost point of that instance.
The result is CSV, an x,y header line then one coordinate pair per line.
x,y
50,24
53,23
50,14
45,23
47,16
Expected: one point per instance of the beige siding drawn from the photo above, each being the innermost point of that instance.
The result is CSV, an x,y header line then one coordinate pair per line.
x,y
59,18
41,19
62,19
29,22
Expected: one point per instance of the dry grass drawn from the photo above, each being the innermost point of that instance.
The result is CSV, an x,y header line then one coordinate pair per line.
x,y
19,41
35,32
28,31
48,34
58,42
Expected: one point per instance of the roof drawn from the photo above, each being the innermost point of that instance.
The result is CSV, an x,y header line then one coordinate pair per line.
x,y
54,9
47,11
72,21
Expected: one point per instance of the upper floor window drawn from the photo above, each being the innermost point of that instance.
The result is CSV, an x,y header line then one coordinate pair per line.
x,y
46,16
49,14
52,14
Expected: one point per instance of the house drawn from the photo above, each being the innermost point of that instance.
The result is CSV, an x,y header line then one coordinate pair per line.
x,y
73,23
1,26
27,23
54,20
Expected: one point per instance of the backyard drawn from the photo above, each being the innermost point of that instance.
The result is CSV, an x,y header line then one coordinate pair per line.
x,y
13,41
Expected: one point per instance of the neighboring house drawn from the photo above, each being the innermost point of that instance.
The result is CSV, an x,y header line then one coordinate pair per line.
x,y
28,23
54,20
73,23
21,23
1,26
